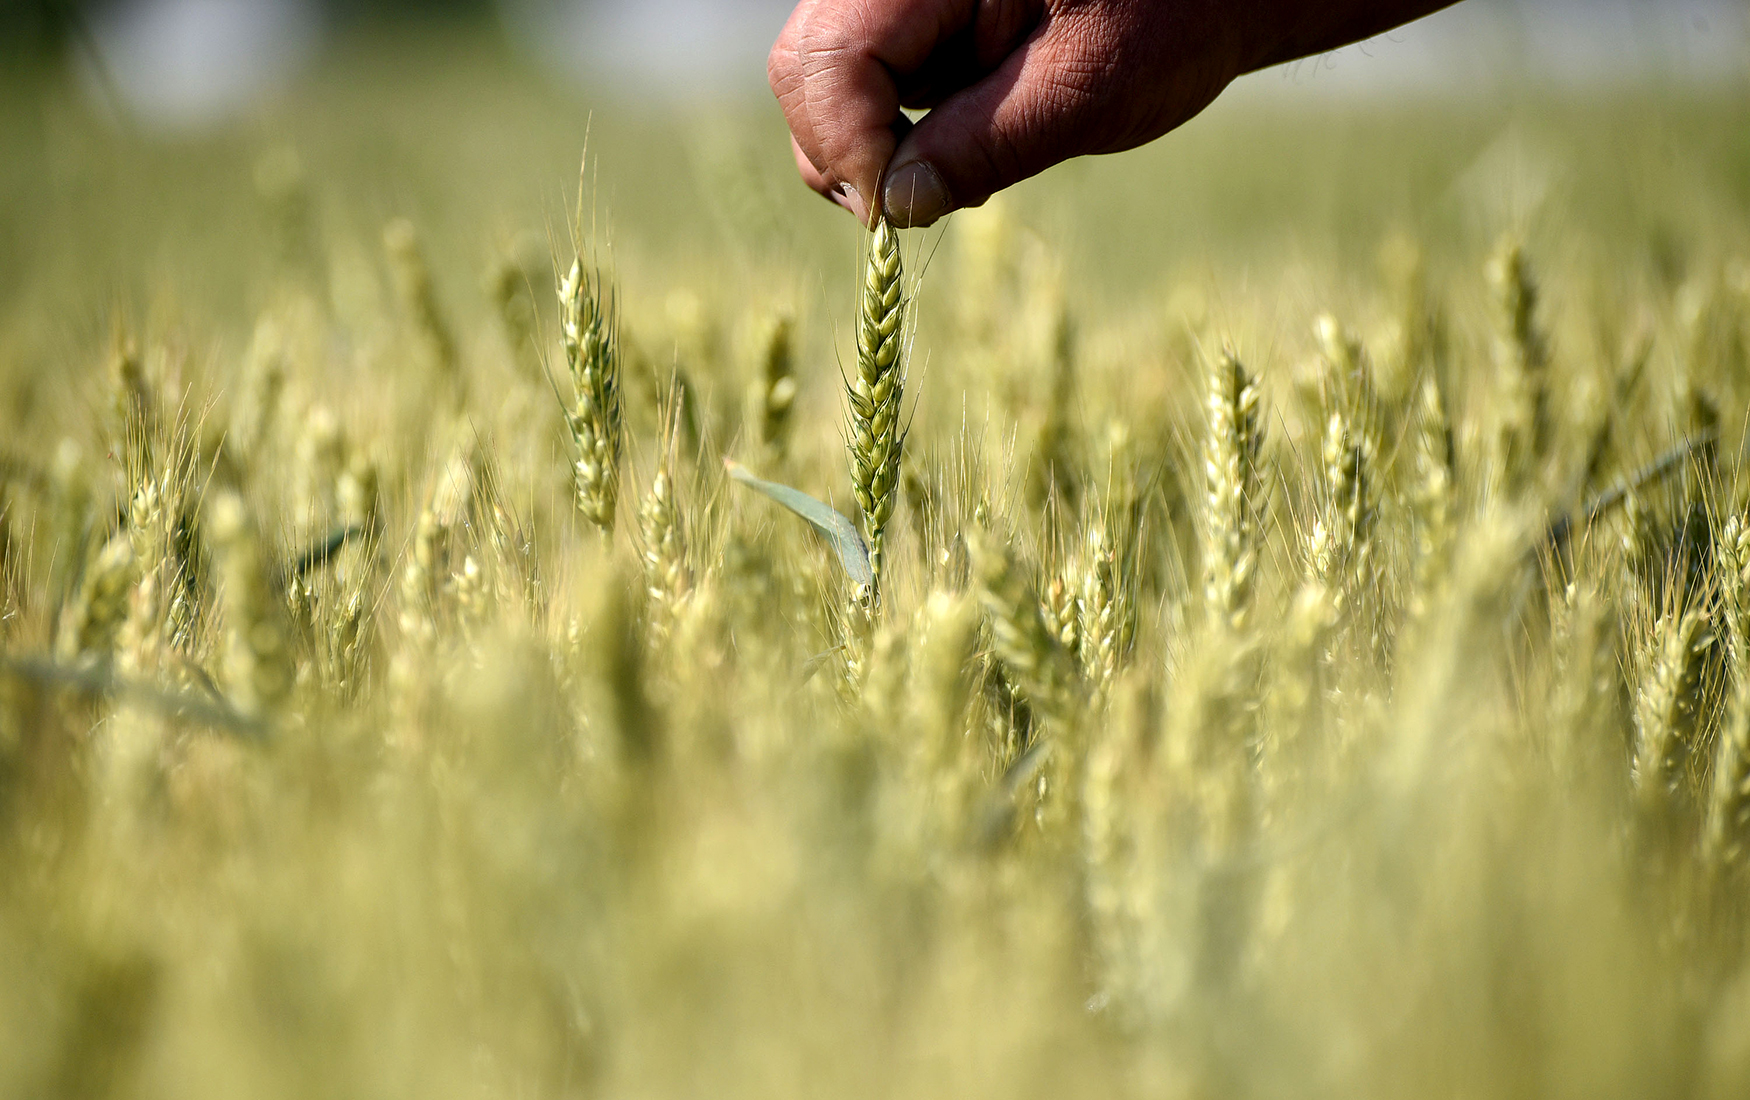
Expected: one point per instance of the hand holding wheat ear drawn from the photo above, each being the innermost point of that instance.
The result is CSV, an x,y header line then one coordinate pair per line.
x,y
1015,86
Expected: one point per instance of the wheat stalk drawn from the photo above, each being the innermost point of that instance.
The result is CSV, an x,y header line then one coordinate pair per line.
x,y
419,300
949,625
1211,727
1120,878
1294,708
774,391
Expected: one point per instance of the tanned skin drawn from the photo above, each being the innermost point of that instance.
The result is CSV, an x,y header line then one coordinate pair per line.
x,y
1016,86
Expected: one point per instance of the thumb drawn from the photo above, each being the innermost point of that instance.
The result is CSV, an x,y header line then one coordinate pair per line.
x,y
1035,110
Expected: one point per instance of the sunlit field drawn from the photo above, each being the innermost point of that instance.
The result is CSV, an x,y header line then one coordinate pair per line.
x,y
1263,616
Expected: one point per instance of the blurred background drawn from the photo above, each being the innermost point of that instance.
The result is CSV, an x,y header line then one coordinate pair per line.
x,y
158,144
348,217
180,64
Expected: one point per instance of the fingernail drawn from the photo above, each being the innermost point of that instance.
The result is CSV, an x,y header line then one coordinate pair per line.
x,y
915,195
852,201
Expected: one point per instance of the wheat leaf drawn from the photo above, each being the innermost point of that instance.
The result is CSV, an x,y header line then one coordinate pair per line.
x,y
840,532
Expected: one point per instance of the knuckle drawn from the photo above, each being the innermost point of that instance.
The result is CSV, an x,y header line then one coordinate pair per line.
x,y
821,55
1070,100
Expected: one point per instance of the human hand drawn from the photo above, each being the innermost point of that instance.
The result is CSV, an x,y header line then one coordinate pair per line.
x,y
1015,86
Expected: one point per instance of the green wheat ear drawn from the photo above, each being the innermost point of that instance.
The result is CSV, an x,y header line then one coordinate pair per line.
x,y
668,577
874,392
589,328
1233,473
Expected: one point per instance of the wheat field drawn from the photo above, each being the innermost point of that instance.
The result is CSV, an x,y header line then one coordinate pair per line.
x,y
1267,618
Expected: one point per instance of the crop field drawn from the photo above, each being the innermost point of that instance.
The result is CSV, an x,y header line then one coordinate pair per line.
x,y
1263,616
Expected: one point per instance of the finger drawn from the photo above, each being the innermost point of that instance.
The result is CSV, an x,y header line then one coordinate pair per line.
x,y
973,53
1039,107
784,72
837,84
827,187
811,175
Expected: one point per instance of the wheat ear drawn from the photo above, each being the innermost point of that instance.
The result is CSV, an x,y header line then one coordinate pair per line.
x,y
1020,636
1057,606
1728,808
1341,540
1432,500
1341,545
1233,479
876,437
1729,799
668,580
589,327
1666,710
1522,361
1106,625
94,618
258,659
